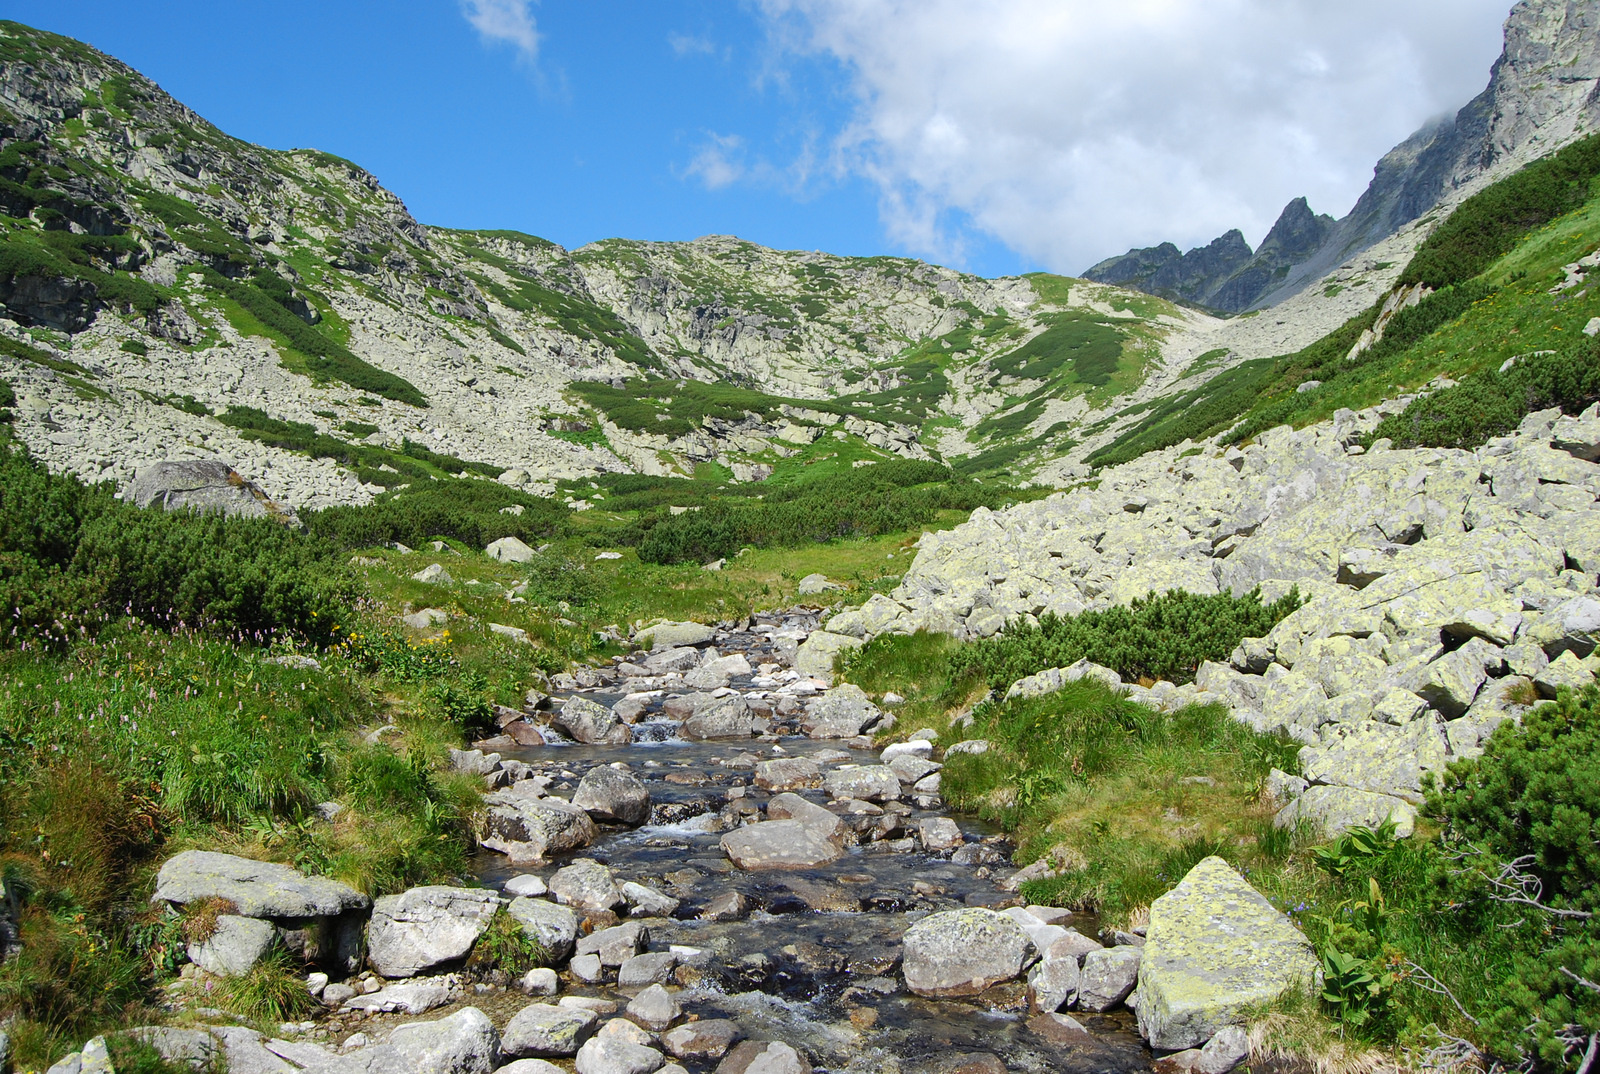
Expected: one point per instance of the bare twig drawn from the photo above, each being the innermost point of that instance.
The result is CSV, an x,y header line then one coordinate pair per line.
x,y
1588,1056
1430,983
1585,982
1515,885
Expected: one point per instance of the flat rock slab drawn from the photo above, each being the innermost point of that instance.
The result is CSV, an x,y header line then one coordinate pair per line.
x,y
778,844
256,888
677,635
1214,947
963,952
544,1029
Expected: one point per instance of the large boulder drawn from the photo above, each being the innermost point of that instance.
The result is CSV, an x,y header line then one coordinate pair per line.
x,y
788,774
204,485
553,927
256,888
544,1029
963,952
1214,948
1331,810
426,927
764,1057
510,550
815,656
529,830
843,712
822,823
592,723
778,844
235,945
728,718
1108,976
586,885
612,794
664,636
462,1043
871,782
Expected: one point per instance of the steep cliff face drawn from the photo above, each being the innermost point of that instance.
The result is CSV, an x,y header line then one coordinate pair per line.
x,y
1543,92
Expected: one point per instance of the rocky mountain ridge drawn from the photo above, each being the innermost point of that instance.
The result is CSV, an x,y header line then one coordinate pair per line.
x,y
1543,92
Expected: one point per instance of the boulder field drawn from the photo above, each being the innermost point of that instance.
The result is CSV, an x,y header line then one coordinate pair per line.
x,y
1444,590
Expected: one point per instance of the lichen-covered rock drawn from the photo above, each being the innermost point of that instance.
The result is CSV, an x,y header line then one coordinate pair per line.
x,y
1215,947
234,946
544,1029
665,636
256,888
530,830
591,723
612,794
788,774
426,927
843,712
587,886
729,717
1331,810
554,927
778,844
815,656
1108,976
462,1043
1377,757
873,783
963,952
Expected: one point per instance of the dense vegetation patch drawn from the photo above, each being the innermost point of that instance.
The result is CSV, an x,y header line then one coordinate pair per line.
x,y
323,356
1166,636
884,498
1489,224
1088,346
1493,403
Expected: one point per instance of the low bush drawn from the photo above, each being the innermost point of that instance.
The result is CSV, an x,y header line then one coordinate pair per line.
x,y
1493,403
873,500
471,511
1166,636
72,556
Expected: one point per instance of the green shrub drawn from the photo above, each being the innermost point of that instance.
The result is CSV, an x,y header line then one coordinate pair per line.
x,y
470,511
506,946
866,502
1493,403
72,556
1165,636
1487,225
324,357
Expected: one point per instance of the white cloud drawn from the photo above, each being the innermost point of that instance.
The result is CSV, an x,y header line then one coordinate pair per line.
x,y
720,161
1073,129
689,45
504,20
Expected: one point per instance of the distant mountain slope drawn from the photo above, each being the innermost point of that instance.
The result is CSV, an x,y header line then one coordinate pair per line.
x,y
170,291
1543,92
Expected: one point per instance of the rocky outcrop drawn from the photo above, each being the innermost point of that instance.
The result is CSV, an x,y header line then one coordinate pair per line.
x,y
426,927
1215,948
1225,275
1434,583
204,486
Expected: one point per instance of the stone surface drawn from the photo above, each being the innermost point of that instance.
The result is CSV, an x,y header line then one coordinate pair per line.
x,y
235,946
842,712
778,844
788,774
591,723
708,1038
654,1008
545,1029
664,636
612,1055
729,717
1107,977
462,1043
612,794
554,927
530,830
203,485
872,783
256,888
963,952
1214,948
763,1057
586,885
1053,983
426,927
510,550
1331,810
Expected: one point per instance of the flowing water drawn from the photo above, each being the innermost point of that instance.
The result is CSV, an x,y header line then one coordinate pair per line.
x,y
815,962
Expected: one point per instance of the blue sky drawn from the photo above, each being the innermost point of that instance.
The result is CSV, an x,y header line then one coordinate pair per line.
x,y
1001,136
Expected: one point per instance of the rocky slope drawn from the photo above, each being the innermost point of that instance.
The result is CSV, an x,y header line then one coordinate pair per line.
x,y
156,272
1543,92
1447,589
